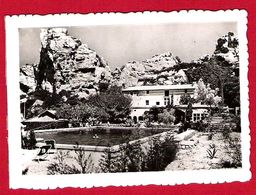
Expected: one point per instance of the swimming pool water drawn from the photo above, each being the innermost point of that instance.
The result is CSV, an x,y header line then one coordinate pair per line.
x,y
97,137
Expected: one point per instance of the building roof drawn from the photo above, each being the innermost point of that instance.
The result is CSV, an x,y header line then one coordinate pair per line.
x,y
40,119
159,87
45,116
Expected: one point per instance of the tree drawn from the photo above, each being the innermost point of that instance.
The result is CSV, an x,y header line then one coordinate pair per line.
x,y
216,72
82,113
113,102
185,99
232,92
189,112
153,113
167,117
205,94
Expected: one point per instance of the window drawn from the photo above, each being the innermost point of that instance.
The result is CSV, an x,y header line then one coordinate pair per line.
x,y
166,101
147,102
186,90
147,92
196,117
140,118
166,93
157,103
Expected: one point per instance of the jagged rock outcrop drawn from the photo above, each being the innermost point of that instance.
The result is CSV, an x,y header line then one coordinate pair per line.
x,y
226,52
227,48
27,78
68,64
157,70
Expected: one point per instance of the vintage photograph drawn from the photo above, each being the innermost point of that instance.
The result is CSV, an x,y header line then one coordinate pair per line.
x,y
160,97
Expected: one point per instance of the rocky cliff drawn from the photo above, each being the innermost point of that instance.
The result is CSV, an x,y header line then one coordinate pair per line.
x,y
27,78
227,49
68,64
157,70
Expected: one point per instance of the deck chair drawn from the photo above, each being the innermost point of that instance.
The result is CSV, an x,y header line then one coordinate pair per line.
x,y
43,152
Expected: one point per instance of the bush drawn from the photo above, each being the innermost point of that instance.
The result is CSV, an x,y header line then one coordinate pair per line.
x,y
233,149
60,166
211,151
200,126
185,125
127,159
160,154
237,121
29,140
167,117
134,158
152,114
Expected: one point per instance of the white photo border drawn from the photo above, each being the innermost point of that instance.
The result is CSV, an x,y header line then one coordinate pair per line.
x,y
17,180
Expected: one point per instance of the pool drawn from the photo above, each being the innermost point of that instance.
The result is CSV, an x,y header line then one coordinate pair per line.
x,y
98,136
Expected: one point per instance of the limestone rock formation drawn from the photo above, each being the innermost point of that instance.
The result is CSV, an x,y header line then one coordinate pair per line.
x,y
157,70
27,78
226,52
68,64
227,48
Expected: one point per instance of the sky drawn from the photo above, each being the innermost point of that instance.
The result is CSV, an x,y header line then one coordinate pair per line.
x,y
123,43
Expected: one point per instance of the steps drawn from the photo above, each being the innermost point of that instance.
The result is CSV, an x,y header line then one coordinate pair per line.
x,y
217,120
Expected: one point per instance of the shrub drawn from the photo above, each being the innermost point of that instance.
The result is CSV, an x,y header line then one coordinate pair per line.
x,y
133,157
237,121
210,136
167,117
29,140
152,114
225,133
127,159
185,125
233,149
160,154
200,126
60,165
83,160
211,152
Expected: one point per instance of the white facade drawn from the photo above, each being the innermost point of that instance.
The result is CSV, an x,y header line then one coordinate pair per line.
x,y
145,97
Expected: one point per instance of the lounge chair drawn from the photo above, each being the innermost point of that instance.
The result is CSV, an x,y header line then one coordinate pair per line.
x,y
43,152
